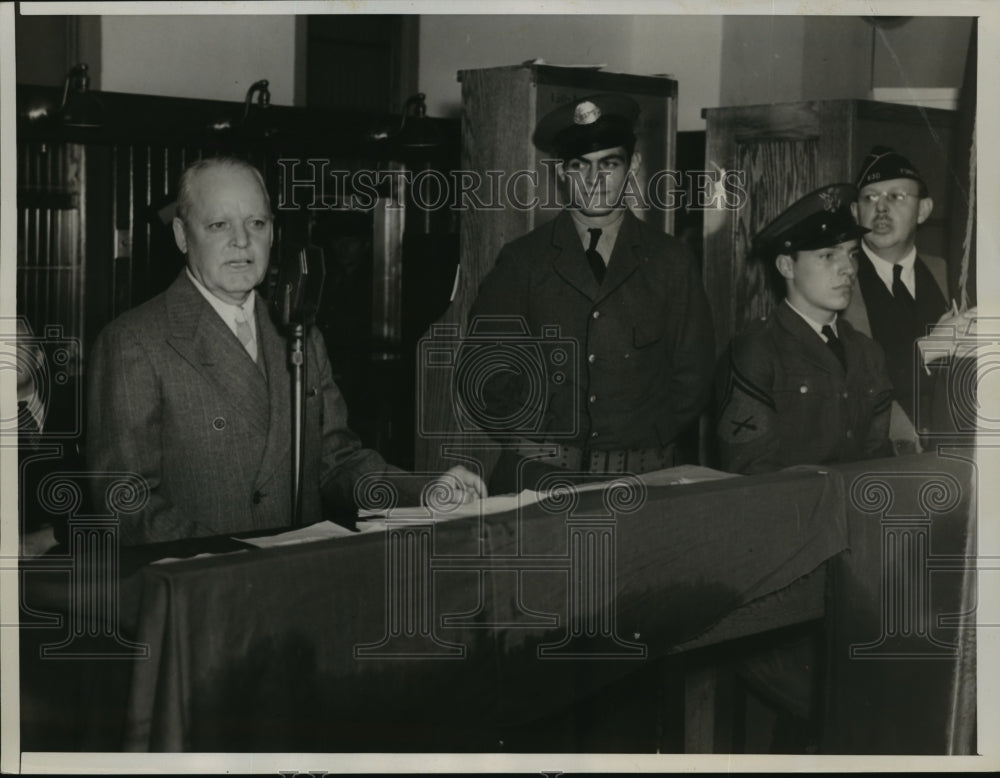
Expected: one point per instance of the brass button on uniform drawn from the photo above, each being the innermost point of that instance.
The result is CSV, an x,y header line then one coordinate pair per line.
x,y
803,389
596,314
592,358
849,434
219,423
593,398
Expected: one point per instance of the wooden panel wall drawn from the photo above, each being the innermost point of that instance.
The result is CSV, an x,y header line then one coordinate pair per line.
x,y
50,236
788,150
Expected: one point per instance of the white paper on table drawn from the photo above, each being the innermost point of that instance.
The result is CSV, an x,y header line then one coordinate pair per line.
x,y
499,503
322,530
168,559
683,474
581,66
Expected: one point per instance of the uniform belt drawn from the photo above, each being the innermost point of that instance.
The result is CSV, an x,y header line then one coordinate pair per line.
x,y
626,460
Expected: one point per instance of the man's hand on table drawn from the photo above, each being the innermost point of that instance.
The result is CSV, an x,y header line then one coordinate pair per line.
x,y
457,486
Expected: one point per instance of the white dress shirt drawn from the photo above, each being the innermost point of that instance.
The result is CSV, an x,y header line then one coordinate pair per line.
x,y
884,269
228,312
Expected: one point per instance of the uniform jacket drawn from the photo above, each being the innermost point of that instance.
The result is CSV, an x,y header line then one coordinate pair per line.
x,y
899,353
640,344
175,398
786,400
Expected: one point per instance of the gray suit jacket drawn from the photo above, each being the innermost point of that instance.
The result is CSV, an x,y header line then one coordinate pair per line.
x,y
901,430
175,398
857,312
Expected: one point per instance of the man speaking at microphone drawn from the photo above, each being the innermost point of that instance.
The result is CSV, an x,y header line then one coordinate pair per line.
x,y
191,391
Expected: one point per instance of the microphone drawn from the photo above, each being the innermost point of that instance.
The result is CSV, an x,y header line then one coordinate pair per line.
x,y
293,307
299,289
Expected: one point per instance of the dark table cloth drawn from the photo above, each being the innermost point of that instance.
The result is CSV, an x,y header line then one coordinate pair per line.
x,y
439,638
902,616
300,649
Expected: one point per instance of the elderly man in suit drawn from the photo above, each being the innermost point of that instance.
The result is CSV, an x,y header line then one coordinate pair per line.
x,y
191,390
629,297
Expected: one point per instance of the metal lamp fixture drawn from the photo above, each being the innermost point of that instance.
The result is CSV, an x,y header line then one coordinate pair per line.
x,y
253,122
416,131
80,107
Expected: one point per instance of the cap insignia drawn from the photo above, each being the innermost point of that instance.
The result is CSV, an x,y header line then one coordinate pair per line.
x,y
586,113
831,199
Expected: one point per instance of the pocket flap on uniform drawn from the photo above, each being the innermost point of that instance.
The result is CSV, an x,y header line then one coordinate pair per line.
x,y
645,334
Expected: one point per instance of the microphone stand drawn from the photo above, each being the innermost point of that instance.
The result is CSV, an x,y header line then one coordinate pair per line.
x,y
296,362
296,303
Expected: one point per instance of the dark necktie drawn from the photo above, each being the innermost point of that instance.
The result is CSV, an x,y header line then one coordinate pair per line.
x,y
835,345
899,290
594,258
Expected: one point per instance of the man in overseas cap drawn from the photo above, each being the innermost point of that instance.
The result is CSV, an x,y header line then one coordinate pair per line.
x,y
899,293
629,297
802,387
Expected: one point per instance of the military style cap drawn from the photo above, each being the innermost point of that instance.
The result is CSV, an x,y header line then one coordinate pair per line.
x,y
819,220
884,164
589,124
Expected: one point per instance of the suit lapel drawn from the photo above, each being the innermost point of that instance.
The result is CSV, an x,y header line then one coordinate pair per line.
x,y
274,353
200,336
813,348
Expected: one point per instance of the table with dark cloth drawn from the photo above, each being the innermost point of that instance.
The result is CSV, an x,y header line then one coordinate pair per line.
x,y
445,637
901,621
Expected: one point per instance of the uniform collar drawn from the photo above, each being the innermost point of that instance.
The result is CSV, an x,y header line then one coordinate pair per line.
x,y
816,326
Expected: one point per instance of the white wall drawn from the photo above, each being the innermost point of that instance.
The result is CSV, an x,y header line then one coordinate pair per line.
x,y
208,57
689,48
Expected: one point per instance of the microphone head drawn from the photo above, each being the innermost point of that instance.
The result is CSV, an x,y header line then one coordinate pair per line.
x,y
299,289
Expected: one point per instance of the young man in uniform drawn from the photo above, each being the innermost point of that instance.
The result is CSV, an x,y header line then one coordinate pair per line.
x,y
803,387
628,296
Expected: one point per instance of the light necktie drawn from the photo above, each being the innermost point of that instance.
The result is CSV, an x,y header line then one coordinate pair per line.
x,y
244,333
835,345
899,290
594,258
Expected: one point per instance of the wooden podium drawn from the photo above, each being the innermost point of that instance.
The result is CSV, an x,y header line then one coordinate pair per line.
x,y
514,192
786,151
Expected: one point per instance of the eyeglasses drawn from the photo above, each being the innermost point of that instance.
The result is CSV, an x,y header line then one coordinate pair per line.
x,y
871,198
